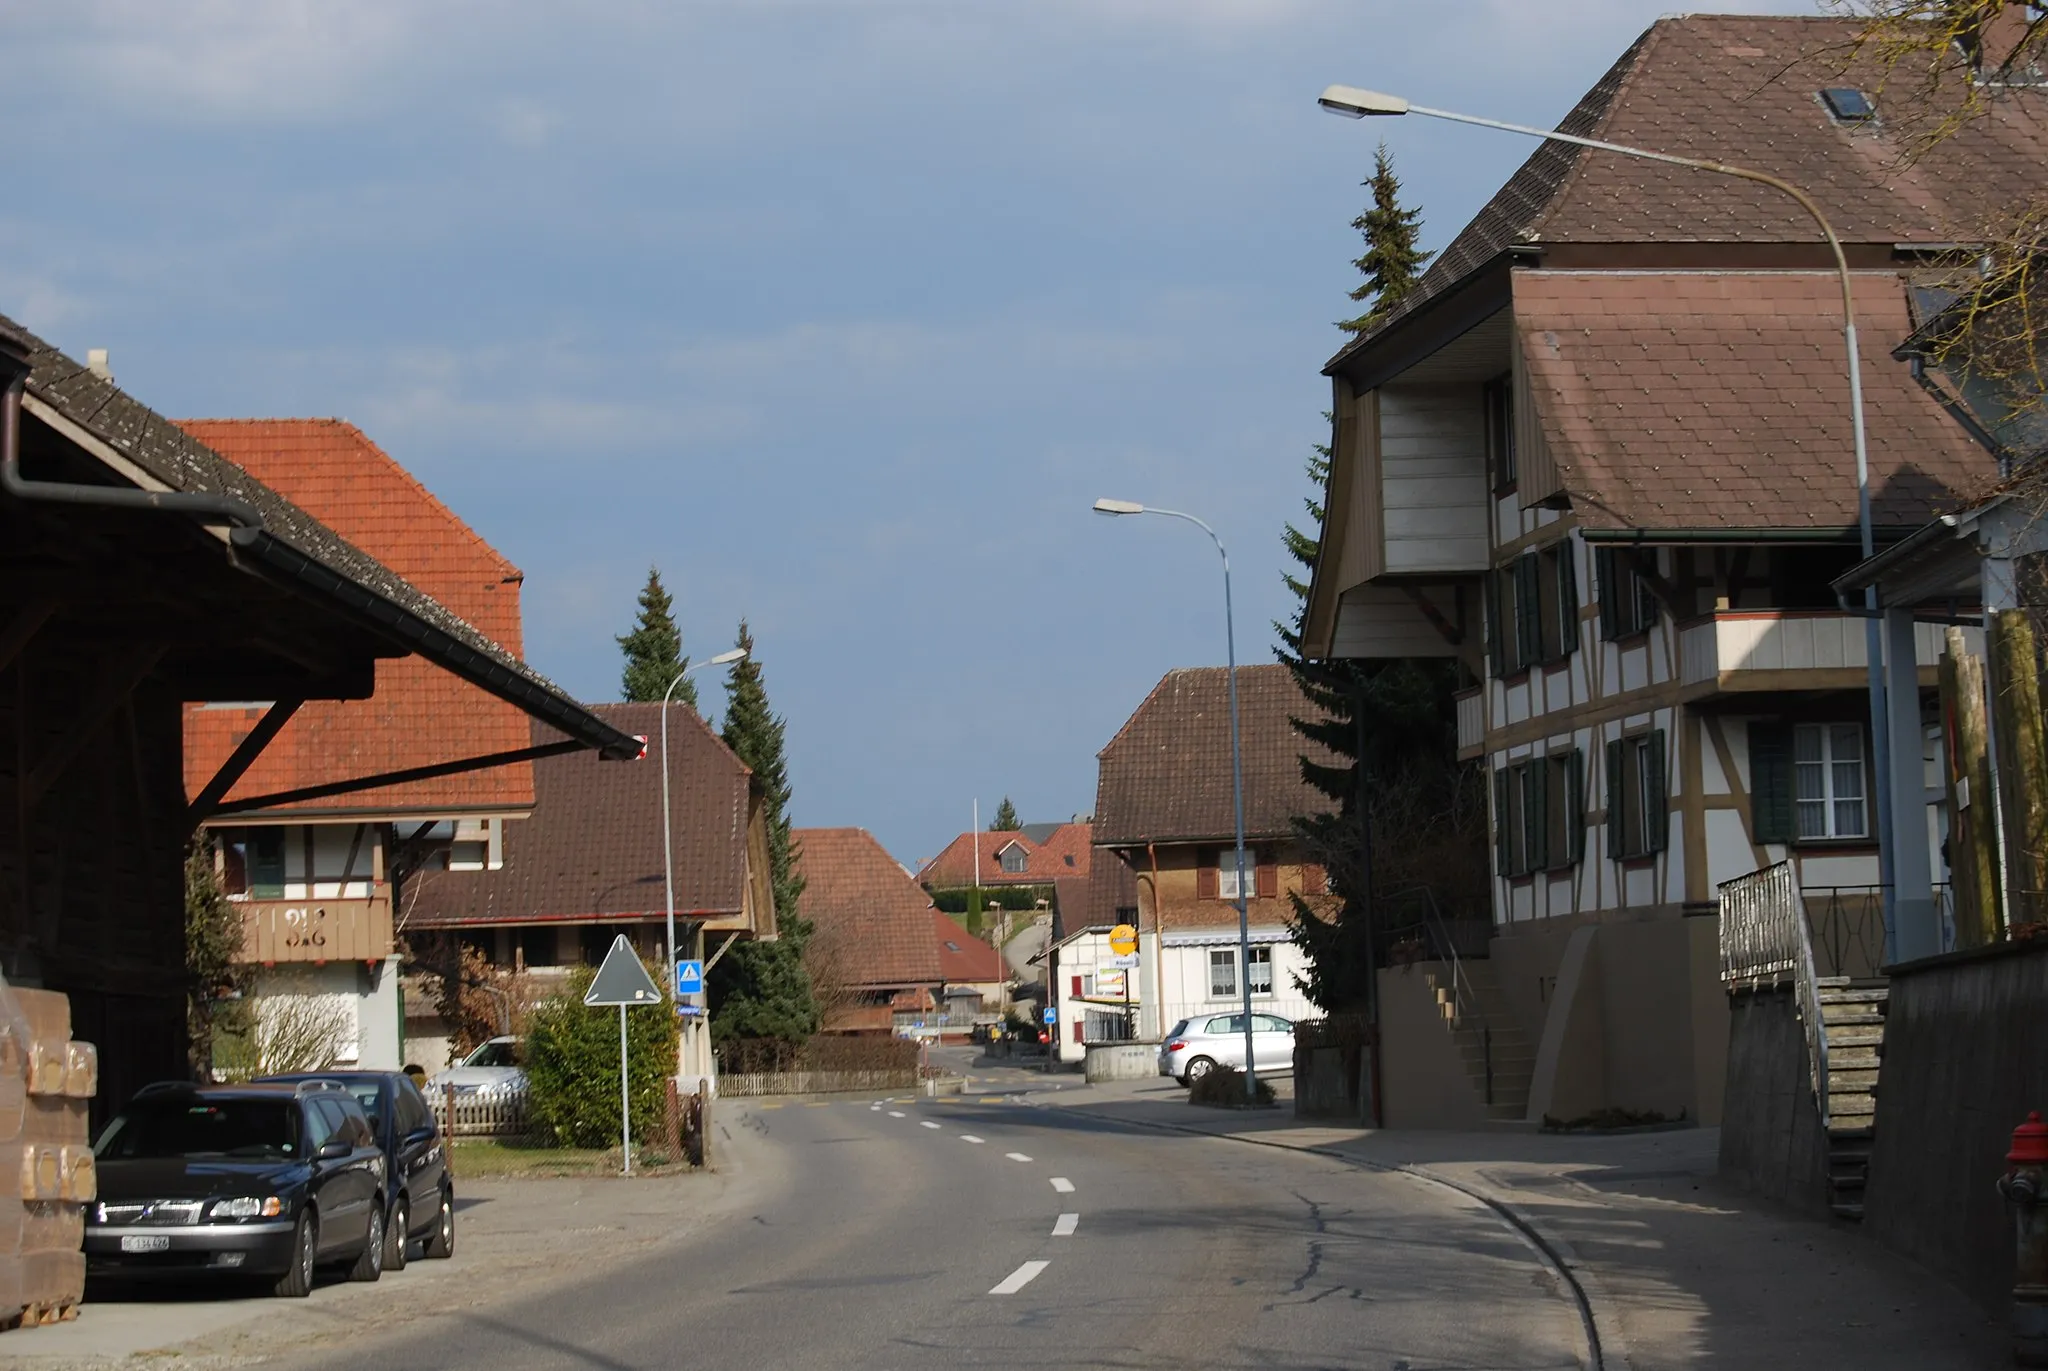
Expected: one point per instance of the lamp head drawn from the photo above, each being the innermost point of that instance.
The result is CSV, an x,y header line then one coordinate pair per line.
x,y
1118,507
733,655
1353,103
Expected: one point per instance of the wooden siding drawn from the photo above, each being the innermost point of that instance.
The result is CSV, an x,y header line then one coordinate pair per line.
x,y
1378,621
1432,458
1361,551
275,931
1742,650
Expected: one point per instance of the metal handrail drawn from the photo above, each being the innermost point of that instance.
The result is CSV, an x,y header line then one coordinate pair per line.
x,y
1463,998
1765,940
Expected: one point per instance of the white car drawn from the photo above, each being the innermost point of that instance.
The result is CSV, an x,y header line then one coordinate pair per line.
x,y
491,1072
1198,1046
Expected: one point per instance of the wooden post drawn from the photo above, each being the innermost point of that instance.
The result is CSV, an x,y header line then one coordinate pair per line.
x,y
2022,764
1972,813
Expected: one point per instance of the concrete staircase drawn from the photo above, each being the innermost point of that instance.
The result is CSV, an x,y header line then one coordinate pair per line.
x,y
1852,1019
1499,1058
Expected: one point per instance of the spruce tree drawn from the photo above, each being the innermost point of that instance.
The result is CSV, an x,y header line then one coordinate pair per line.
x,y
1392,264
761,989
1006,820
654,649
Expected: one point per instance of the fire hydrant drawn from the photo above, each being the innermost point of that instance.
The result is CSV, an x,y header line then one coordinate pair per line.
x,y
2022,1187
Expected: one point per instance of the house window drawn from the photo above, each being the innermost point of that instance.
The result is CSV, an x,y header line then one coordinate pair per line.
x,y
1500,431
1013,858
252,863
1636,805
1627,604
1222,974
1828,766
1088,985
1226,874
1535,610
1259,970
1540,814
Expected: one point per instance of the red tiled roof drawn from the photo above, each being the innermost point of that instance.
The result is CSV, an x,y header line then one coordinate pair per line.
x,y
1064,853
592,849
963,958
1719,399
873,923
1166,776
419,714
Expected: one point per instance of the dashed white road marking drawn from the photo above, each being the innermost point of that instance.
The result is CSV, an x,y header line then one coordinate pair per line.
x,y
1063,1185
1019,1278
895,1113
926,1123
969,1137
1065,1226
1017,1156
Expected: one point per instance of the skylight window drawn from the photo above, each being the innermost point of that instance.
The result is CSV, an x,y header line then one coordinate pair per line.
x,y
1848,105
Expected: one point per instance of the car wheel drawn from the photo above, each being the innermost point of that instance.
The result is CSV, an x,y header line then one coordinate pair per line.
x,y
397,1236
442,1243
1198,1068
370,1261
297,1283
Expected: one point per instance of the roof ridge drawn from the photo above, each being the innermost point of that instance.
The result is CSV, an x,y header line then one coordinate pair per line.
x,y
1643,52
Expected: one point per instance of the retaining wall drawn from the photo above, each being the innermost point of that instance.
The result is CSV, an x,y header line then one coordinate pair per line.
x,y
1771,1139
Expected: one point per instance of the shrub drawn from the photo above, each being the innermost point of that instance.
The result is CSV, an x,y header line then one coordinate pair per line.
x,y
1223,1088
572,1067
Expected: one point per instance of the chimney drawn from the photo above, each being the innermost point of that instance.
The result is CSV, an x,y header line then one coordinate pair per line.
x,y
96,363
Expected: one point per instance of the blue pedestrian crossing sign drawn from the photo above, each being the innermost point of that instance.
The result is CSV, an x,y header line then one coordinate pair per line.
x,y
1051,1015
690,978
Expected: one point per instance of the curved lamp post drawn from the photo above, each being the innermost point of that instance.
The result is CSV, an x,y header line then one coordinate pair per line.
x,y
668,847
1354,103
1244,932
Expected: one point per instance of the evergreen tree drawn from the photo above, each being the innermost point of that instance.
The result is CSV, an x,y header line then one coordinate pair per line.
x,y
654,649
1006,820
761,989
215,977
1392,264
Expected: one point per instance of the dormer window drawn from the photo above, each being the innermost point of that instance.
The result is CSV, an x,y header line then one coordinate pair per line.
x,y
1014,859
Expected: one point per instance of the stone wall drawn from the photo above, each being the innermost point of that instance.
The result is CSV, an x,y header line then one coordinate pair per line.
x,y
1771,1139
1965,1058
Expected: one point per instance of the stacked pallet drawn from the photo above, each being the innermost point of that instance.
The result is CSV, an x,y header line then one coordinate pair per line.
x,y
45,1082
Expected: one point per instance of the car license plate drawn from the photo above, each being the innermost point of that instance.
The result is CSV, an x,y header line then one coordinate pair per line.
x,y
146,1242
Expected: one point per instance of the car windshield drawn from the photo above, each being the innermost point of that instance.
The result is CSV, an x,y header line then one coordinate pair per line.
x,y
264,1130
494,1054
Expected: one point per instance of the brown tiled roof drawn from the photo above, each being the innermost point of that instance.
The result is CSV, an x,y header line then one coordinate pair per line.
x,y
420,713
873,923
954,867
1166,776
963,958
1743,89
592,848
1711,399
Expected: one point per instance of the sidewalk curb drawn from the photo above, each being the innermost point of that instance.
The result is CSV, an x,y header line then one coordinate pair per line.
x,y
1603,1341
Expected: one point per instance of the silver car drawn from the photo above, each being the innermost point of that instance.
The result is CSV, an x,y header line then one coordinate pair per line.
x,y
1199,1045
492,1072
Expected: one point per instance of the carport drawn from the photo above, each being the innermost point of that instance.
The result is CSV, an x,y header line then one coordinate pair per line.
x,y
140,571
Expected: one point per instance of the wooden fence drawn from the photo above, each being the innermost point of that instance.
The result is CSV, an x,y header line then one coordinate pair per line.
x,y
816,1082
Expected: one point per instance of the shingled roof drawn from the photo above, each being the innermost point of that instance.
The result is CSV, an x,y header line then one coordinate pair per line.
x,y
1742,89
592,849
873,924
1064,853
1717,400
292,546
420,714
1166,776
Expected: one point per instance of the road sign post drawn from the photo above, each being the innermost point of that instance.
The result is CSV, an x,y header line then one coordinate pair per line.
x,y
624,982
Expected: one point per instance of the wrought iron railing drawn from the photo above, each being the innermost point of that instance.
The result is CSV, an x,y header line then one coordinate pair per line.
x,y
1766,941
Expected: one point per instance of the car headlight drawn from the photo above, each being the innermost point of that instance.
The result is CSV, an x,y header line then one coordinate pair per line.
x,y
247,1207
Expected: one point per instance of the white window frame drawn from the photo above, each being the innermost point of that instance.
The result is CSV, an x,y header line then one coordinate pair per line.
x,y
1223,958
1260,956
1226,875
1824,770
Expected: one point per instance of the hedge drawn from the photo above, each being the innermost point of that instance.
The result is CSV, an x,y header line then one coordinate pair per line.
x,y
572,1066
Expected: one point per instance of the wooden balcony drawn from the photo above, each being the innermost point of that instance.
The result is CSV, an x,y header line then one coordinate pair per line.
x,y
1741,650
1471,706
275,931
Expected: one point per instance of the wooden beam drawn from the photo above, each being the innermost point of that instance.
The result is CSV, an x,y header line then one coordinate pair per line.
x,y
1447,630
405,777
239,761
102,705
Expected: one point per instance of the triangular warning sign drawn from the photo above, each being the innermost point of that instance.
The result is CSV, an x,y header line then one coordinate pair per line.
x,y
622,979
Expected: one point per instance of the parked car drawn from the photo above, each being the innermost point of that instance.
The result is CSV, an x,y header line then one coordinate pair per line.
x,y
242,1180
1197,1046
492,1071
419,1201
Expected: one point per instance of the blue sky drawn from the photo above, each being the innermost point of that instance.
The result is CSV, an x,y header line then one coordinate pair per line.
x,y
840,313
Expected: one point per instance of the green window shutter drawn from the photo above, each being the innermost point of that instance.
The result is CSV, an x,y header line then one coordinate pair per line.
x,y
1656,806
1567,599
1608,593
1646,600
1534,858
1495,639
1500,823
1615,793
1575,801
1528,610
1772,818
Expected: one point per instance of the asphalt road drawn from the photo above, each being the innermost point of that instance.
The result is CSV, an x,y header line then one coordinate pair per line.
x,y
986,1232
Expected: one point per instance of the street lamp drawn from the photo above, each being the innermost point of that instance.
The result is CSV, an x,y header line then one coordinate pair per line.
x,y
668,846
1244,928
1354,103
